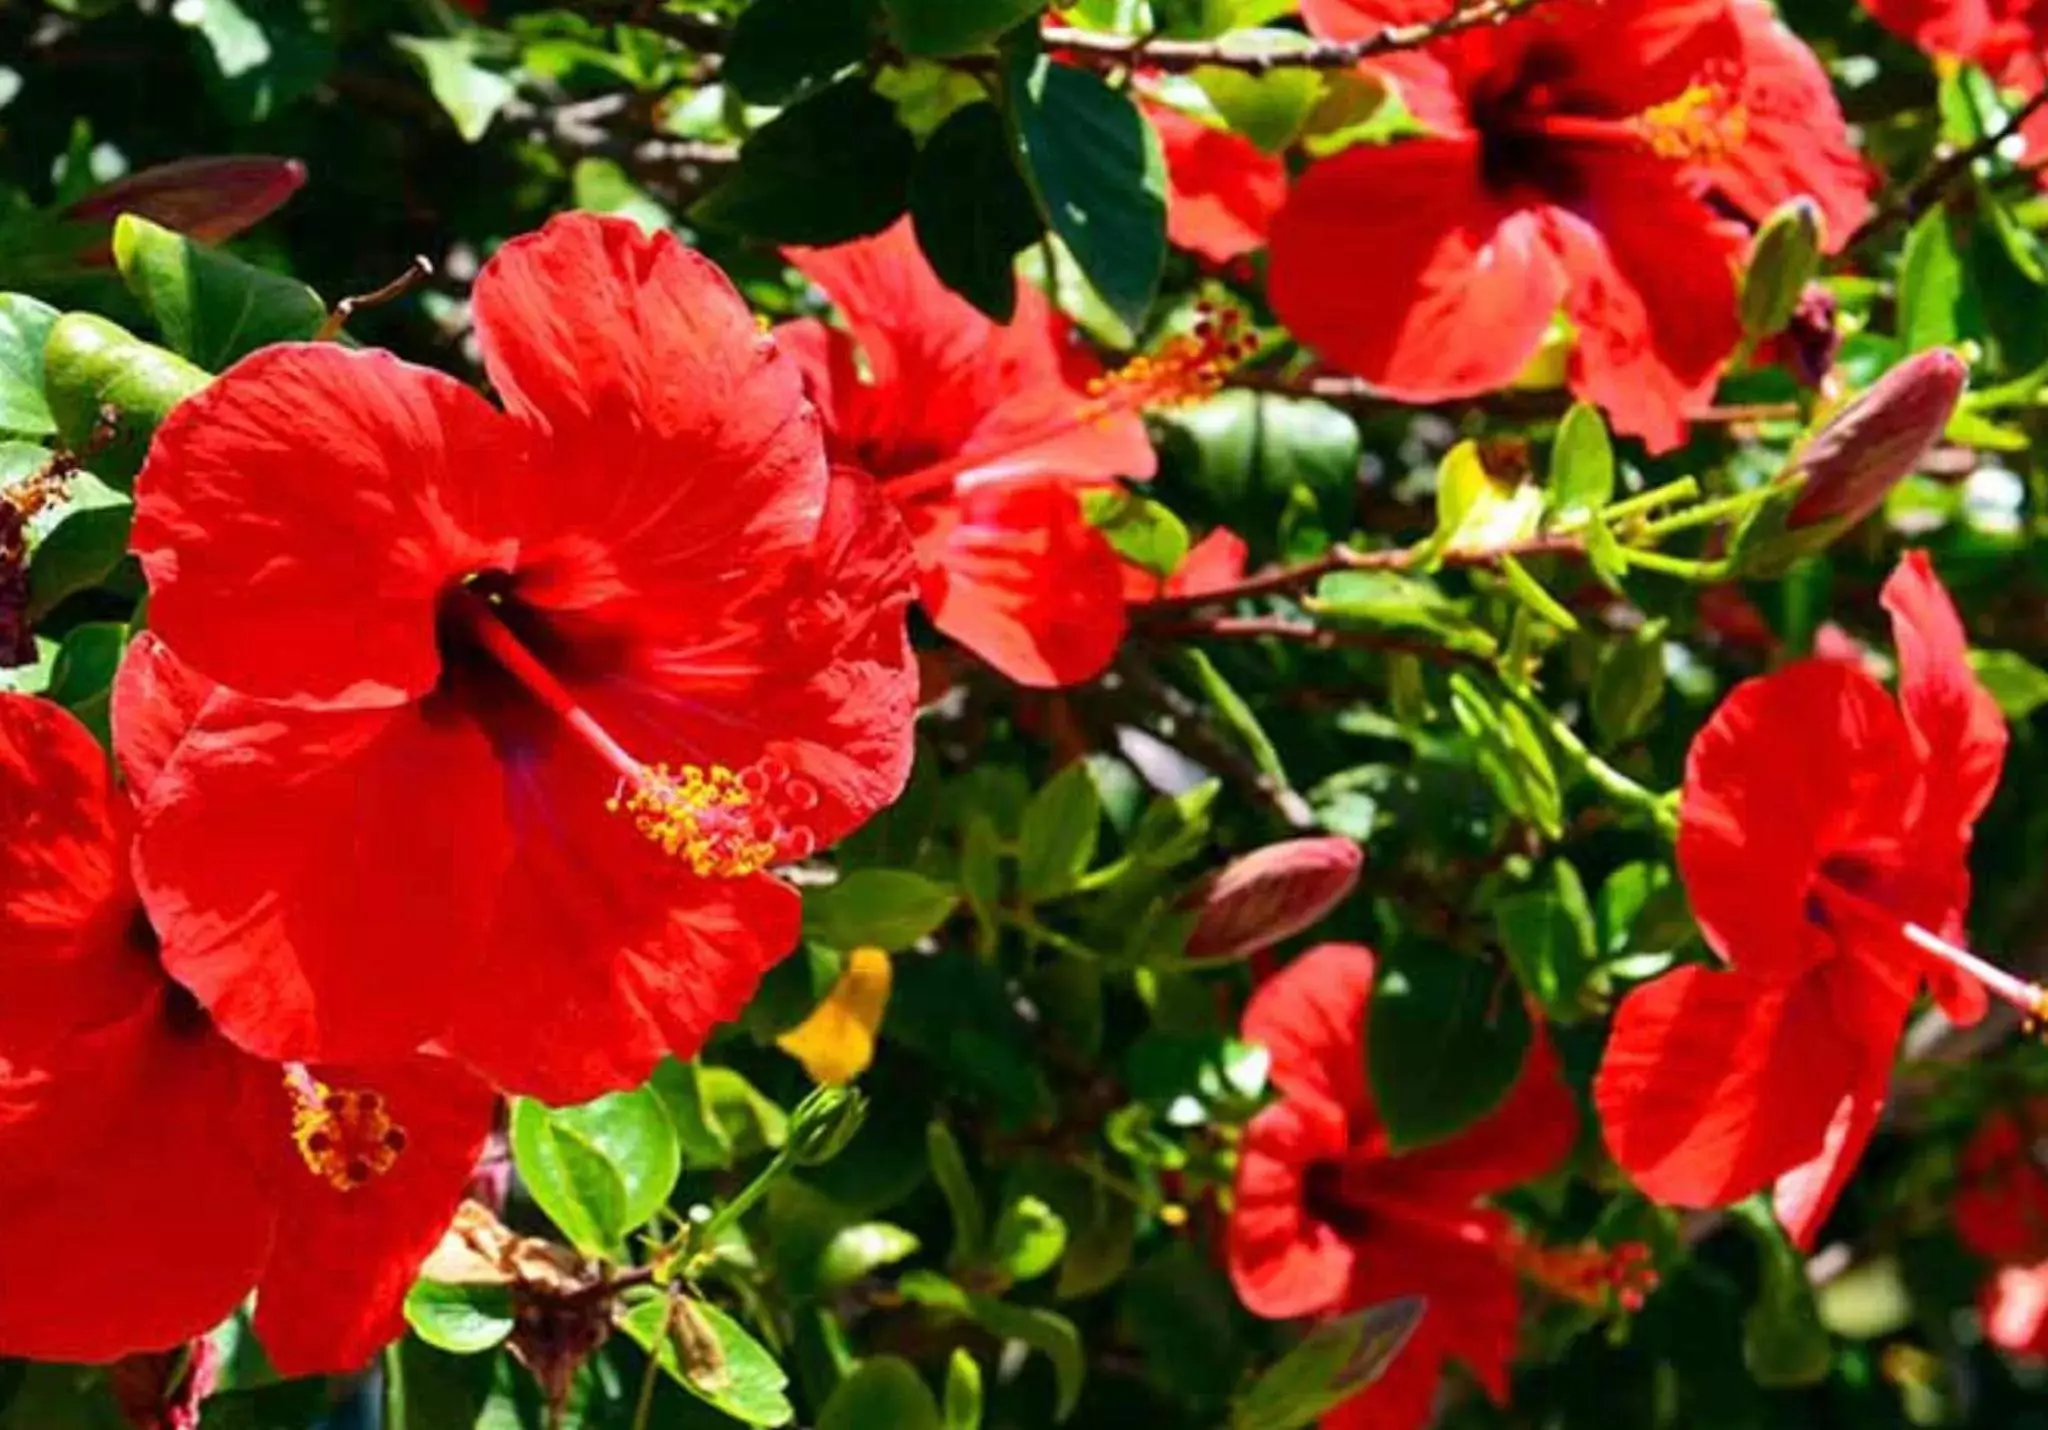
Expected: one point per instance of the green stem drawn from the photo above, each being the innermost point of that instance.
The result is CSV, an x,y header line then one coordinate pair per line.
x,y
643,1407
1030,927
1705,514
395,1417
1682,567
1659,810
1669,494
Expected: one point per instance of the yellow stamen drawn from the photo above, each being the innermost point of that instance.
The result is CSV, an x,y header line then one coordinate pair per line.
x,y
703,815
1703,124
345,1137
837,1042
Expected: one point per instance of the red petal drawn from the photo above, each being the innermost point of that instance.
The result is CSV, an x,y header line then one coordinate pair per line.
x,y
1652,292
65,900
2001,1203
322,880
606,955
1715,1083
1017,575
2014,1304
1399,266
1215,562
1473,1313
1875,1016
299,519
1310,1017
331,1296
1222,189
1956,727
815,673
1793,766
1956,28
1282,1261
1794,138
135,1219
944,380
157,697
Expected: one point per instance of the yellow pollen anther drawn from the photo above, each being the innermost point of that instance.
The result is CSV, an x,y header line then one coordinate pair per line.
x,y
345,1137
711,817
1184,370
1703,124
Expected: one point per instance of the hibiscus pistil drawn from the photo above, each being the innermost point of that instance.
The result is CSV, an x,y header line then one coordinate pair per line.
x,y
345,1136
1186,369
710,817
2031,999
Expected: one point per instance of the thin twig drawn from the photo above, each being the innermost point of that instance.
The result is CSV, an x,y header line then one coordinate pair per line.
x,y
1307,633
1354,393
1930,188
416,273
1344,558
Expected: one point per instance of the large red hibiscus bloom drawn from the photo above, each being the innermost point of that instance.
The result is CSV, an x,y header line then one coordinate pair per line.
x,y
1570,162
546,691
152,1172
1330,1218
983,435
1823,840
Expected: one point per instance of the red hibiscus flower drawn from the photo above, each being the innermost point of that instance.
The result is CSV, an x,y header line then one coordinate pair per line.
x,y
984,436
546,691
2001,1211
1330,1218
1823,840
152,1171
1570,164
1215,563
1222,190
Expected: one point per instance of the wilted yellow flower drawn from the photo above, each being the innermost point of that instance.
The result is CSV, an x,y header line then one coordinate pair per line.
x,y
837,1042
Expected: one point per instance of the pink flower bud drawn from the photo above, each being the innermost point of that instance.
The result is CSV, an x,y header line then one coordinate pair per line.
x,y
204,199
1865,449
1271,894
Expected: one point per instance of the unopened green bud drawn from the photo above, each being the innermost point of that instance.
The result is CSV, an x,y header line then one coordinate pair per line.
x,y
1782,262
824,1123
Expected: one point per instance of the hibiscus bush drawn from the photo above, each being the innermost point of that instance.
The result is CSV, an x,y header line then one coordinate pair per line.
x,y
967,715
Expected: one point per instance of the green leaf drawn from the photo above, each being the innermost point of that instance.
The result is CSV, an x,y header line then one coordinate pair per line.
x,y
81,548
1099,176
1510,755
1236,712
461,1320
471,94
885,1393
1930,285
1270,108
1628,687
881,908
936,28
1042,1330
600,1169
1581,462
972,210
24,327
1783,1340
83,675
92,366
713,1357
949,1170
1247,451
1549,938
782,50
962,1409
1446,1040
1143,531
2018,685
1387,600
1337,1358
1029,1239
834,168
1062,826
862,1249
211,306
699,1136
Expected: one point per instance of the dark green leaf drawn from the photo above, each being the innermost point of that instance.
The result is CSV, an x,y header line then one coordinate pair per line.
x,y
1783,1340
834,168
937,28
1100,179
1628,688
1042,1330
1062,825
211,306
1548,935
1447,1037
781,50
883,908
949,1170
84,544
1333,1362
886,1393
972,210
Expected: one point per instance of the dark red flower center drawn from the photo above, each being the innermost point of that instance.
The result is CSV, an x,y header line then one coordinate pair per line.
x,y
345,1136
715,819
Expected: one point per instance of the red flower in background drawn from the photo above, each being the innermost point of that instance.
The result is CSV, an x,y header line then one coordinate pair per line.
x,y
984,436
1571,161
2001,1211
1330,1218
1222,190
1823,840
1215,563
151,1171
546,690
